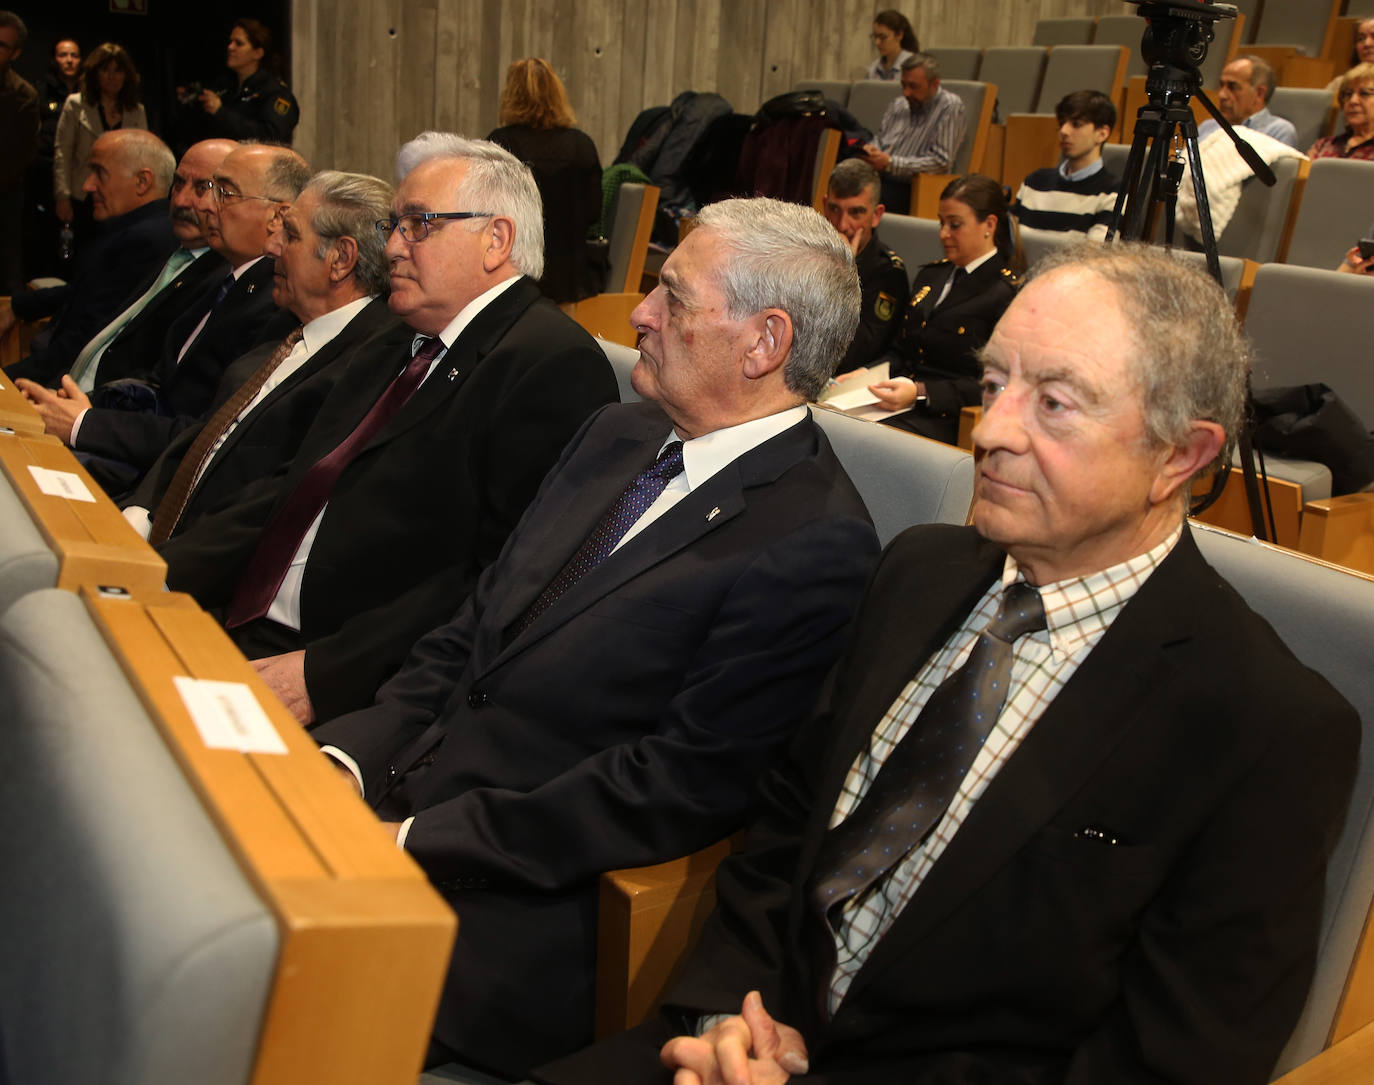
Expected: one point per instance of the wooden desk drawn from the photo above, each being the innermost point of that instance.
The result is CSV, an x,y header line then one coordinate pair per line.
x,y
95,545
16,412
365,940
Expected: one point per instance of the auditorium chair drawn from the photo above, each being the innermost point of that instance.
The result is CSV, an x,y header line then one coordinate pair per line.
x,y
1262,225
1073,30
1076,67
1126,31
1312,112
869,99
915,240
979,100
185,905
958,62
608,314
1335,212
833,89
1017,70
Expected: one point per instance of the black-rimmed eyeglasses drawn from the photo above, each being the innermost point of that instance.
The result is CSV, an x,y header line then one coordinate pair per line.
x,y
415,226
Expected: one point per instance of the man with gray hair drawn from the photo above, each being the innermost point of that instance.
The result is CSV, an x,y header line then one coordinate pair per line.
x,y
330,272
658,623
1247,86
424,455
130,172
1100,860
920,132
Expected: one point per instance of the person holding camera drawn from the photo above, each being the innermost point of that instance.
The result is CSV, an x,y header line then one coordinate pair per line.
x,y
259,106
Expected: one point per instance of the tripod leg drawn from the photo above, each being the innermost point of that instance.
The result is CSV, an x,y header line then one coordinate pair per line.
x,y
1204,210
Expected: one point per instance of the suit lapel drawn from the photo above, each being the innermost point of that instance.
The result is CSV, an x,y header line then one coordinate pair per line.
x,y
1108,696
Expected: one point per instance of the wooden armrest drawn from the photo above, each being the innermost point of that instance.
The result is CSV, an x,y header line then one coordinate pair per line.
x,y
647,920
968,418
925,193
608,315
1340,530
16,412
1232,511
1344,1063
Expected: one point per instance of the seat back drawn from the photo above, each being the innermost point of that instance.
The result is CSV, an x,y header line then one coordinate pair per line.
x,y
1310,110
1335,211
135,948
903,479
1126,31
1304,26
979,100
1081,67
1326,344
1073,30
622,361
1116,155
631,224
1017,70
1250,10
869,99
834,89
1326,617
27,562
958,62
1038,244
1264,216
916,241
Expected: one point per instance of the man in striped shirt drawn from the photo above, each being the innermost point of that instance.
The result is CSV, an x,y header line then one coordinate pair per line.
x,y
920,133
1080,193
1090,862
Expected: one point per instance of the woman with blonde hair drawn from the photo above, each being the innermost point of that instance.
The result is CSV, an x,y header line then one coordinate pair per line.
x,y
108,99
538,126
1356,98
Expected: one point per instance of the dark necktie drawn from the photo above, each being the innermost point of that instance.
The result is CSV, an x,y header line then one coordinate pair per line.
x,y
178,491
281,538
644,489
922,775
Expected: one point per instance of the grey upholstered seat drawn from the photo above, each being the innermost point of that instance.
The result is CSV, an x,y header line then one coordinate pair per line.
x,y
27,563
1123,30
1077,67
1301,25
973,94
958,62
1071,30
1256,227
869,99
916,241
834,89
1326,617
1017,70
135,952
1309,108
1336,210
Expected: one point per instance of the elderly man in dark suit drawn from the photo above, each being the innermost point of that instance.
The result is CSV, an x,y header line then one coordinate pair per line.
x,y
1065,808
655,627
330,273
424,455
126,422
130,174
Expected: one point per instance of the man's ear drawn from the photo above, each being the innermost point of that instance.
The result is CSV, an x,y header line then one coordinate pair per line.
x,y
1101,134
344,258
502,240
1197,450
772,343
878,214
143,181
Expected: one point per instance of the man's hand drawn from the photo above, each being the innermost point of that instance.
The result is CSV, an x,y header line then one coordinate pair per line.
x,y
751,1049
876,157
896,394
1355,264
285,676
59,410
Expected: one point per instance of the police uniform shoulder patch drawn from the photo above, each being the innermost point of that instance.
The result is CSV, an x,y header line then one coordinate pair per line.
x,y
895,260
920,295
884,305
1007,273
281,106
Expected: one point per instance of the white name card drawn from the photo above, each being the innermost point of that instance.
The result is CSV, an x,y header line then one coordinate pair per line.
x,y
228,716
66,484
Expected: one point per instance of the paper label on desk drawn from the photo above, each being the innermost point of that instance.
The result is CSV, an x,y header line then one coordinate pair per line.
x,y
228,716
66,484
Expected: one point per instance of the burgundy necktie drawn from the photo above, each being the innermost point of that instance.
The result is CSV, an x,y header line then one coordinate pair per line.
x,y
634,501
281,538
178,492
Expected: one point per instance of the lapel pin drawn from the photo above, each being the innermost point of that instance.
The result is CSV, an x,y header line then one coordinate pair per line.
x,y
252,287
713,514
453,374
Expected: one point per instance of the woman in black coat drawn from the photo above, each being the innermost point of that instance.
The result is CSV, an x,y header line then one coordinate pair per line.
x,y
537,126
953,308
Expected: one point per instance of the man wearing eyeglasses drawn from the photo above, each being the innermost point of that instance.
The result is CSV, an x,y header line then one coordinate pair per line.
x,y
423,457
126,422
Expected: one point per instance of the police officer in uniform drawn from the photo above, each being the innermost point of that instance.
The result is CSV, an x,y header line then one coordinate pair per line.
x,y
851,205
954,305
260,106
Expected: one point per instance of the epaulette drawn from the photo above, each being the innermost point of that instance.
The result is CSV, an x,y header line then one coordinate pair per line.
x,y
1007,273
937,263
895,260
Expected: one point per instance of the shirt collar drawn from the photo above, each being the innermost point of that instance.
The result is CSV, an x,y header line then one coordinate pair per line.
x,y
1082,608
703,456
1080,175
974,265
468,312
323,328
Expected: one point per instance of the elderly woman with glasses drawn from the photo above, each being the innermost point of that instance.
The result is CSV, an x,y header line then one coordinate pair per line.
x,y
1356,98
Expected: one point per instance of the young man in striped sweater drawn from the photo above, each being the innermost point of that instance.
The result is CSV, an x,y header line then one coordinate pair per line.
x,y
1080,192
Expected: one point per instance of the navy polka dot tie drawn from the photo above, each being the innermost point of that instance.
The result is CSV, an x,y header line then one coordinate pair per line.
x,y
922,774
644,489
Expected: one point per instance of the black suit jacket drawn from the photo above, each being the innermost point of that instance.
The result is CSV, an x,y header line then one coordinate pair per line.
x,y
939,344
124,252
1030,954
245,317
264,443
626,725
417,515
136,351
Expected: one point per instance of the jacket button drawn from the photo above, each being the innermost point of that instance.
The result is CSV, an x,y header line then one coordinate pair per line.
x,y
476,698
